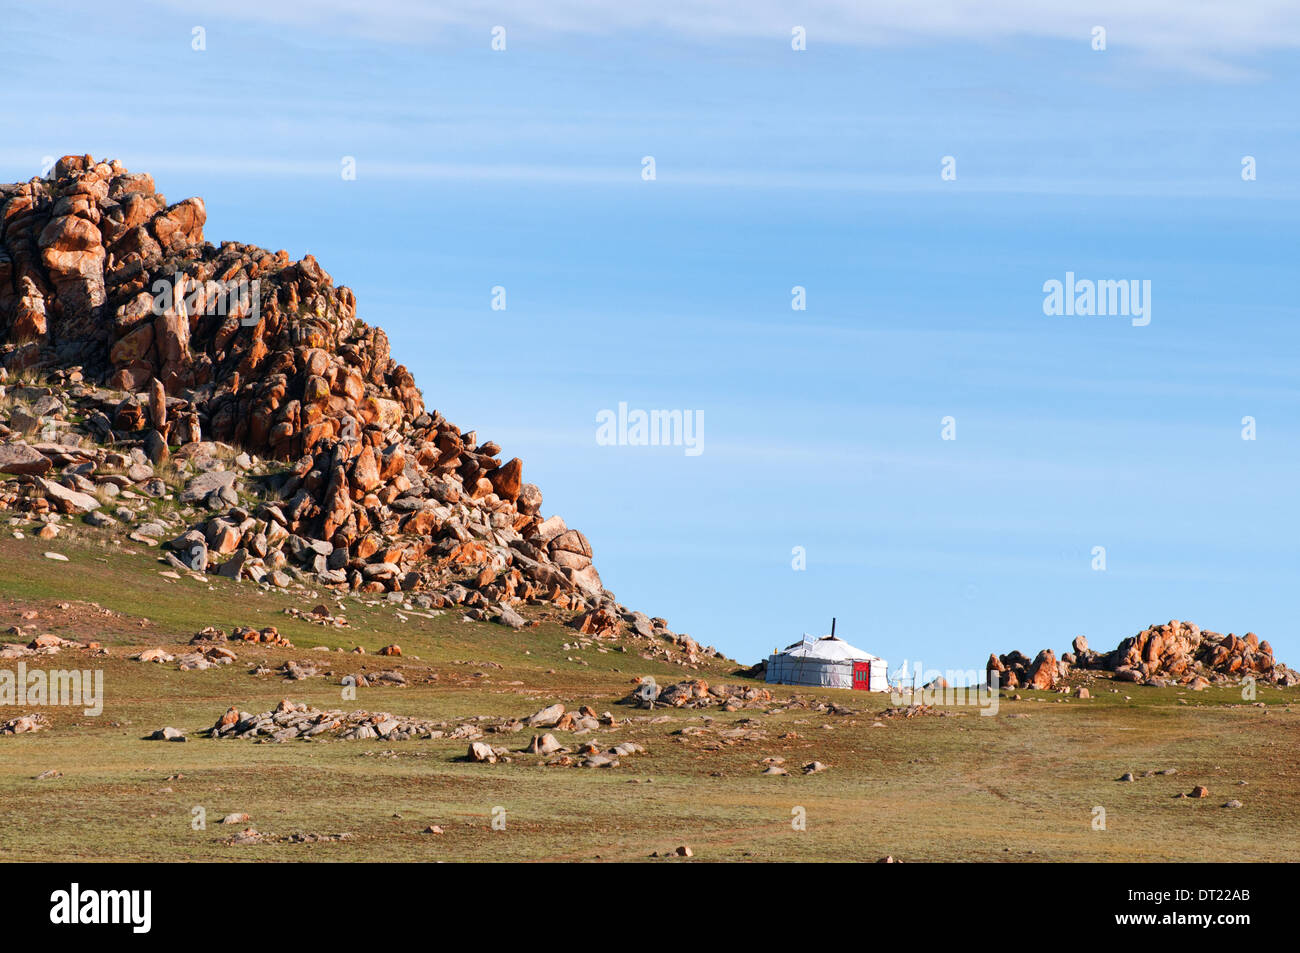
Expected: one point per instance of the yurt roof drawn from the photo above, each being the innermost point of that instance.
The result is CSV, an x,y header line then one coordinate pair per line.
x,y
830,648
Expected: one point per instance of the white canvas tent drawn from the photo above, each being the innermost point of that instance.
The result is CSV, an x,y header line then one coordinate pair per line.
x,y
828,662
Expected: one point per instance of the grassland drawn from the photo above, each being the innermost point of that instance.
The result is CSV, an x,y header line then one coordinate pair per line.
x,y
931,788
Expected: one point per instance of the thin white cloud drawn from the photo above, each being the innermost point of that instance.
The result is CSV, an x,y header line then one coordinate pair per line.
x,y
18,164
1198,36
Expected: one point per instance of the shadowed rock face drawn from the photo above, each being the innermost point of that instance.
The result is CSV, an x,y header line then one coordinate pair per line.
x,y
237,344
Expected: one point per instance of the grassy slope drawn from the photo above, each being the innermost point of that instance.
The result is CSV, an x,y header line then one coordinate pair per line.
x,y
956,788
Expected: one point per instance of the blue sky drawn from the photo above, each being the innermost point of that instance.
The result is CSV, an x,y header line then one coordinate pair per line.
x,y
778,168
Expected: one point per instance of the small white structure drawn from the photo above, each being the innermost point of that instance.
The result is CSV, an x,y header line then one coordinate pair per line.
x,y
828,662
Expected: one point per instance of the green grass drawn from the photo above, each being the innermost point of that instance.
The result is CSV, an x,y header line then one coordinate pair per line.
x,y
964,787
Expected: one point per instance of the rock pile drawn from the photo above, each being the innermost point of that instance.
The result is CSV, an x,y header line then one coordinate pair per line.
x,y
199,660
1176,653
23,724
697,693
250,835
289,721
159,369
46,643
1179,652
1015,670
587,756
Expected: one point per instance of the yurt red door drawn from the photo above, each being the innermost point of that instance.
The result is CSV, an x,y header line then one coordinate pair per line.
x,y
862,676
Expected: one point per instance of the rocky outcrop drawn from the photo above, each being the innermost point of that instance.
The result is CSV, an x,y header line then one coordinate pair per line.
x,y
180,353
1016,670
97,270
1177,652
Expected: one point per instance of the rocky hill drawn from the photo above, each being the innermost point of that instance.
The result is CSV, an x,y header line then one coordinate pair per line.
x,y
144,363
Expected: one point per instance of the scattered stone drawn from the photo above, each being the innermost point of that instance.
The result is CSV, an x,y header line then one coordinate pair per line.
x,y
510,617
24,724
482,753
290,721
245,837
68,501
544,744
548,717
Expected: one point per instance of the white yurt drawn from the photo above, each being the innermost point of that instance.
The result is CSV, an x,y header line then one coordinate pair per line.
x,y
828,662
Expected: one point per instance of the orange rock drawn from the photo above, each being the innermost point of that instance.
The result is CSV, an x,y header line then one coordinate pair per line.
x,y
391,463
469,553
132,346
181,225
420,524
572,541
598,622
368,545
507,480
365,473
1044,672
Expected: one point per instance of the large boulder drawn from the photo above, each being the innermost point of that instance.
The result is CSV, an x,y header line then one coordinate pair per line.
x,y
1044,673
198,488
19,458
69,501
